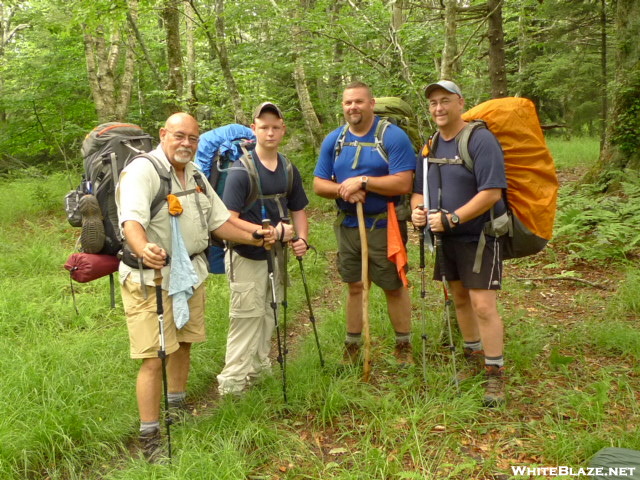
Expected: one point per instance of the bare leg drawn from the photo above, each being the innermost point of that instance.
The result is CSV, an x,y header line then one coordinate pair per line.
x,y
149,389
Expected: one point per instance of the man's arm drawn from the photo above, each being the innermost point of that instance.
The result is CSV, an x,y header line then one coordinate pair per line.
x,y
388,185
301,225
480,203
326,188
241,231
152,254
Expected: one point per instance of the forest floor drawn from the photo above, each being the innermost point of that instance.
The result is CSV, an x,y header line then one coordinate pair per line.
x,y
555,302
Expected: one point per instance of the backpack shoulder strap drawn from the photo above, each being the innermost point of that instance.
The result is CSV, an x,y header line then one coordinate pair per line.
x,y
381,129
340,142
197,176
165,183
214,174
462,140
248,161
288,172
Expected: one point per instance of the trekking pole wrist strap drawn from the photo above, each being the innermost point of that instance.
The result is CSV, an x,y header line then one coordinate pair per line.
x,y
258,236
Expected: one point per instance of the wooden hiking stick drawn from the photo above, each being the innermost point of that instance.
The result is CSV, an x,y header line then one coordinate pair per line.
x,y
362,228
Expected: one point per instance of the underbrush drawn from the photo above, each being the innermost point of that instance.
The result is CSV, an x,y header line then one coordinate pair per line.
x,y
68,404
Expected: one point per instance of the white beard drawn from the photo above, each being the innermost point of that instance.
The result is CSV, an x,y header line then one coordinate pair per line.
x,y
183,155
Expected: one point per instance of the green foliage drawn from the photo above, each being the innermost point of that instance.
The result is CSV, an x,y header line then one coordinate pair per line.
x,y
625,131
552,57
597,227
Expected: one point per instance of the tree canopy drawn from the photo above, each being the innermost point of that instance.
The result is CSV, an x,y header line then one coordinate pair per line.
x,y
66,66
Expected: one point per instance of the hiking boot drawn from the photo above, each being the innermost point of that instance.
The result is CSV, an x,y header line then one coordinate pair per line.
x,y
473,364
494,386
351,355
179,412
92,236
404,354
152,446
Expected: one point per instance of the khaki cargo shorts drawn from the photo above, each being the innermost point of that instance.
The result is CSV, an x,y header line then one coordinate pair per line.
x,y
143,325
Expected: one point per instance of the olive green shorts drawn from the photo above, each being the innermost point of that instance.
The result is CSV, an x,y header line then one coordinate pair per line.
x,y
382,271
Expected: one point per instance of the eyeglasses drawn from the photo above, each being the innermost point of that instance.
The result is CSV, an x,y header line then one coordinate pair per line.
x,y
445,102
180,136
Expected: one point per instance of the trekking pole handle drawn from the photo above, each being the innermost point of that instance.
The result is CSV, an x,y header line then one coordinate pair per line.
x,y
421,229
266,223
421,237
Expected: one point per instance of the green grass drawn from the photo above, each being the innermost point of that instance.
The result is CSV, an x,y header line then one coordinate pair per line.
x,y
68,397
575,153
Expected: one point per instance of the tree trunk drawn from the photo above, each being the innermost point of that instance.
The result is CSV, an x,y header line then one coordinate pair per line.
x,y
192,100
397,14
132,19
110,90
223,57
450,50
126,80
622,142
497,69
99,62
603,70
300,78
175,83
6,34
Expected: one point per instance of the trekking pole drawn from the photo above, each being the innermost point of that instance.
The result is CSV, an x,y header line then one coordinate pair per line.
x,y
423,295
285,280
162,354
447,301
312,318
266,223
362,228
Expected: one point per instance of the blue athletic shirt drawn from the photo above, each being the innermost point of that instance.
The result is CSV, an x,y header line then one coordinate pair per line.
x,y
459,185
401,158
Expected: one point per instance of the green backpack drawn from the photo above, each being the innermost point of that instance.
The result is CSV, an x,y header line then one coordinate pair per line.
x,y
400,113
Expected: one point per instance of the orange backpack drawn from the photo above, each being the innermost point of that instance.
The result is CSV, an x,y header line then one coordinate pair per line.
x,y
532,185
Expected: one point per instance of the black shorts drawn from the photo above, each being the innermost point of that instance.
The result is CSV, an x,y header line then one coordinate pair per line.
x,y
458,263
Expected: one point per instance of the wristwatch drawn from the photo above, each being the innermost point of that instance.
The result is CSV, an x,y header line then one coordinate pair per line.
x,y
364,180
455,220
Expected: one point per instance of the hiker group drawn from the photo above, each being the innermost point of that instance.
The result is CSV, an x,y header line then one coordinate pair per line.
x,y
240,209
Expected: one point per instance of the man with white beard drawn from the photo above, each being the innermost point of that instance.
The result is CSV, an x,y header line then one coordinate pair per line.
x,y
180,232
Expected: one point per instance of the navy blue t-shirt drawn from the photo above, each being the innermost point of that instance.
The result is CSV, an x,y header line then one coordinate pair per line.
x,y
459,185
238,187
370,163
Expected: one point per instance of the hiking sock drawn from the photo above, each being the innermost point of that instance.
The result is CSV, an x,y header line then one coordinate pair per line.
x,y
149,427
353,338
474,345
403,337
495,361
176,399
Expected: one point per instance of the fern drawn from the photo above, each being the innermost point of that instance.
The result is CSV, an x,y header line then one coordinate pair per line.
x,y
595,227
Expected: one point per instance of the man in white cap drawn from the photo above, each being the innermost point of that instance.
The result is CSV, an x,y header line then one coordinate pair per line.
x,y
457,204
